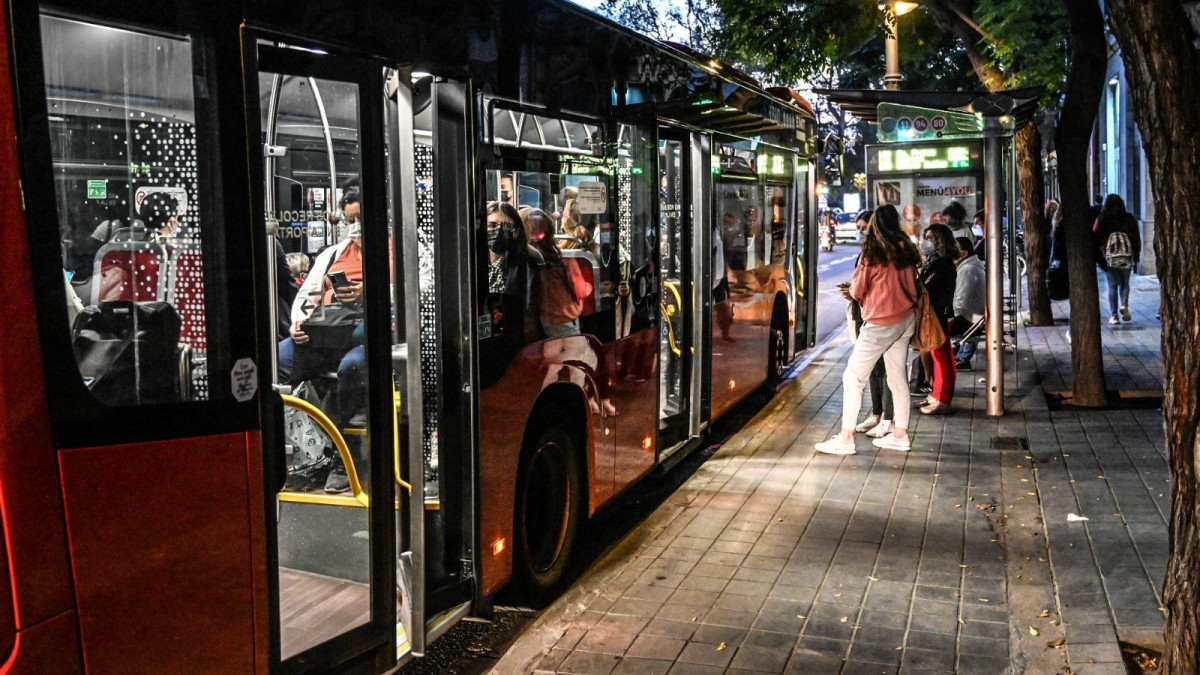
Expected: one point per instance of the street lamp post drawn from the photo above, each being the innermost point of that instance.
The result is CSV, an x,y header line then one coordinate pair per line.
x,y
891,49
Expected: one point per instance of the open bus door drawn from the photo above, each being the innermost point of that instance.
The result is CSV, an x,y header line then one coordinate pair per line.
x,y
679,399
331,518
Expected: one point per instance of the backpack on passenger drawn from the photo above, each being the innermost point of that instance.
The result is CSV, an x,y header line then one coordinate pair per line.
x,y
1118,251
128,352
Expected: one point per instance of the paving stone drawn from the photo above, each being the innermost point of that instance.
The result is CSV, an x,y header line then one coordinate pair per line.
x,y
922,660
656,647
634,666
760,659
705,654
588,663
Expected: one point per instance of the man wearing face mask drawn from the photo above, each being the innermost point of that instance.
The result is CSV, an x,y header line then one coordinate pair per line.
x,y
335,278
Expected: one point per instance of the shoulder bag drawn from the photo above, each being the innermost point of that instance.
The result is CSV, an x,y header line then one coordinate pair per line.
x,y
928,335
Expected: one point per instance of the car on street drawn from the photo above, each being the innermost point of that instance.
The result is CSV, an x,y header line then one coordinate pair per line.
x,y
845,229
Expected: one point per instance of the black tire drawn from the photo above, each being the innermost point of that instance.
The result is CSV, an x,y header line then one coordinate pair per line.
x,y
549,510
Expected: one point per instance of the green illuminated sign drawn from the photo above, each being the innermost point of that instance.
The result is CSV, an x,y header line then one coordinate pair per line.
x,y
900,159
97,189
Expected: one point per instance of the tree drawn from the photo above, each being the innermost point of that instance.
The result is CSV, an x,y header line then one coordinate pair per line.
x,y
1158,45
1085,84
1007,43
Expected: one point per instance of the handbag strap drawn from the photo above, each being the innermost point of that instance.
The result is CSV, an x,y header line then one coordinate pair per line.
x,y
920,287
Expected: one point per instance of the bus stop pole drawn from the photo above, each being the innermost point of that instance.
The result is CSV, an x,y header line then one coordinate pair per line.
x,y
993,208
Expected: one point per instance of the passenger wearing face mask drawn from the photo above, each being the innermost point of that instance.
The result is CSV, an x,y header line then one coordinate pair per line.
x,y
939,273
300,359
512,276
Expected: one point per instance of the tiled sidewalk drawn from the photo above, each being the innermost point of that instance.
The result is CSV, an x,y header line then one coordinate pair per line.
x,y
955,557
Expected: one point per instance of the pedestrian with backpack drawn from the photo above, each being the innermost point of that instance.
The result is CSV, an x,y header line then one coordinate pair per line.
x,y
1119,249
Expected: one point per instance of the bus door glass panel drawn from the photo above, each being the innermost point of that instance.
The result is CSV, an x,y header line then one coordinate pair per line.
x,y
637,302
799,233
740,308
311,128
129,210
674,257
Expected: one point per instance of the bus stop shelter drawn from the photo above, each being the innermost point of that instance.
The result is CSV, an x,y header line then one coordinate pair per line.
x,y
941,145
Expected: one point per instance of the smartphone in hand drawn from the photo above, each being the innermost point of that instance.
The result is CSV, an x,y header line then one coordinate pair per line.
x,y
338,279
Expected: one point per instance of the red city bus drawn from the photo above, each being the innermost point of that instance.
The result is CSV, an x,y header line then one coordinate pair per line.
x,y
326,324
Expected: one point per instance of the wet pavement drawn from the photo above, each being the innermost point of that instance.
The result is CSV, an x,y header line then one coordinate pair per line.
x,y
967,554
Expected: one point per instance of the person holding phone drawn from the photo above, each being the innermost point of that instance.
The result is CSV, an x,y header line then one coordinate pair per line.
x,y
335,277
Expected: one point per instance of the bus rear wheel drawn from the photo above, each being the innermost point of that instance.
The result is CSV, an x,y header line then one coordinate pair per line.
x,y
548,514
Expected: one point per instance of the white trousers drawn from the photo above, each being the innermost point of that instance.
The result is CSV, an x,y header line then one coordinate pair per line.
x,y
874,340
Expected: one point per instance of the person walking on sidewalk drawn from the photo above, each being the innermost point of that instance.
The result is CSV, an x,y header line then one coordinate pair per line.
x,y
940,278
883,283
1119,251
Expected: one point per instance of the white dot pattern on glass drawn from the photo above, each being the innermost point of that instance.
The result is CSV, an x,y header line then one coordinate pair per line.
x,y
428,312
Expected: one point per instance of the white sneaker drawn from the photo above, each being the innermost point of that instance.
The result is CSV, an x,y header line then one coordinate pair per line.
x,y
868,424
836,446
880,430
1113,320
892,443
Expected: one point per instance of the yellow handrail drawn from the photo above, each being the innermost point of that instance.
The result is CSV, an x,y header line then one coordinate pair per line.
x,y
670,330
800,270
338,441
396,438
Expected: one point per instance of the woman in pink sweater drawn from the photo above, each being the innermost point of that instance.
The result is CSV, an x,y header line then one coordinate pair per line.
x,y
883,284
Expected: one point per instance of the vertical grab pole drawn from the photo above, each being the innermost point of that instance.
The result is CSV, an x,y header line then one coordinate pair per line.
x,y
271,220
992,200
316,92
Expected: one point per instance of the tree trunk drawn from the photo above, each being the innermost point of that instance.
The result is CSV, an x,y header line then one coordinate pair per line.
x,y
1037,230
1085,84
1161,64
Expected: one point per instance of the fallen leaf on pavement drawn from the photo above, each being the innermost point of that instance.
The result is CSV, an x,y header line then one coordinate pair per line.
x,y
721,647
1057,644
1045,614
1034,631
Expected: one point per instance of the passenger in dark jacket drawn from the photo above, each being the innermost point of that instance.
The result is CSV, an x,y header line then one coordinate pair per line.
x,y
940,276
1115,220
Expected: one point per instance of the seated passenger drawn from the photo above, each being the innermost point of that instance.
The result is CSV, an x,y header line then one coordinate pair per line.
x,y
301,359
561,281
512,291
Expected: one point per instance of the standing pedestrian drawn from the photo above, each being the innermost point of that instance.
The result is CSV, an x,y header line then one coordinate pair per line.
x,y
879,422
940,277
1119,251
884,282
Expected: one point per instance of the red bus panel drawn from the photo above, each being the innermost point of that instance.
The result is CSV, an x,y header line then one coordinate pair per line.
x,y
167,580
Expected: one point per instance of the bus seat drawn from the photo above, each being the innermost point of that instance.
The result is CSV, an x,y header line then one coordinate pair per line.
x,y
129,270
187,294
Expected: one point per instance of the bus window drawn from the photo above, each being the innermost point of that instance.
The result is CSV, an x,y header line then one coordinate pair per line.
x,y
123,138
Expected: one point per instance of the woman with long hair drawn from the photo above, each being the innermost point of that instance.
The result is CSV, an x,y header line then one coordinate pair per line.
x,y
559,305
884,284
1119,252
940,276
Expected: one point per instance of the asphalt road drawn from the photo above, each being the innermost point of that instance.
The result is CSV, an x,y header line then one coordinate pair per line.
x,y
833,267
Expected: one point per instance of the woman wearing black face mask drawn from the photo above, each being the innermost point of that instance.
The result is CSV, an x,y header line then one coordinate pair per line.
x,y
512,277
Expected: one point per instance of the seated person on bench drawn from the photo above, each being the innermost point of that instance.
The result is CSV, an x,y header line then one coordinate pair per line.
x,y
970,298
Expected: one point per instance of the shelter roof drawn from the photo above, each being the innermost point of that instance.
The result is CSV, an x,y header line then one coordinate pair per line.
x,y
862,103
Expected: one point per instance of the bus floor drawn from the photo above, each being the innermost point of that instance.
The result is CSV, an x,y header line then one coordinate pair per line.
x,y
314,608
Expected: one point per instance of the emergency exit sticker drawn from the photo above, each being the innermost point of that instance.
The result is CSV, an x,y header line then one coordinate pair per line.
x,y
97,189
592,197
